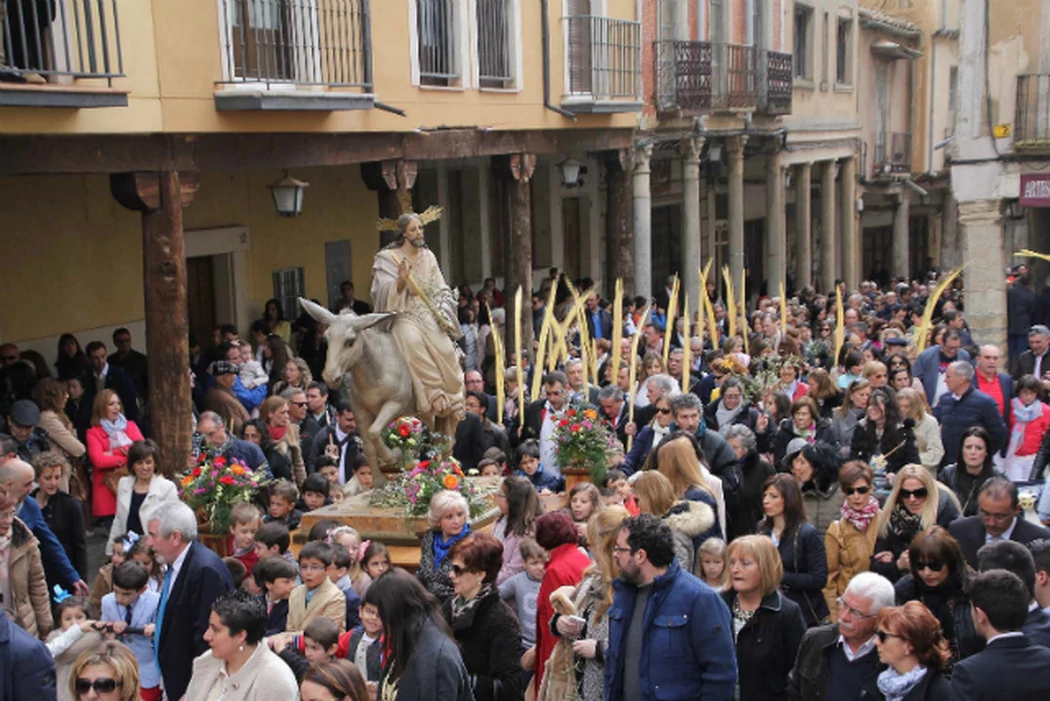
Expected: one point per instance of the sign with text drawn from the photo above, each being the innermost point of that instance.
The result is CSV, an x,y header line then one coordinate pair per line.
x,y
1035,189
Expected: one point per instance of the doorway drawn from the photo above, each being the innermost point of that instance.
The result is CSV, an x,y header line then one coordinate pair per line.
x,y
666,243
573,253
200,297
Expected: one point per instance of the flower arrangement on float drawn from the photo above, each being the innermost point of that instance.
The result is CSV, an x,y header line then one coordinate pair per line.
x,y
215,485
583,441
409,438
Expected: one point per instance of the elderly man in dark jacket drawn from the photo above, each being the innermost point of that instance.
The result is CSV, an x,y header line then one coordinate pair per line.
x,y
27,670
961,407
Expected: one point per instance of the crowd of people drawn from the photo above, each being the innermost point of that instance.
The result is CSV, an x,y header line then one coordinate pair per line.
x,y
796,507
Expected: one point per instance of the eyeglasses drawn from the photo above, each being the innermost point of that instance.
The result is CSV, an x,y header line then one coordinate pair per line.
x,y
663,411
459,570
882,635
102,685
920,493
850,491
932,566
299,404
843,606
618,549
312,568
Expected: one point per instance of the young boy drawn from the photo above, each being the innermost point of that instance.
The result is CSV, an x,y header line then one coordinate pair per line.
x,y
245,520
315,493
275,577
489,468
338,572
272,540
318,643
316,596
130,605
524,588
363,479
617,480
364,644
529,466
62,511
327,466
283,495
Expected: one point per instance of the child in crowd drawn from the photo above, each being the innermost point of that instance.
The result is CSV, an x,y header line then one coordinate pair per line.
x,y
318,643
713,570
136,549
326,465
524,588
489,468
103,583
610,497
529,465
338,573
75,634
132,605
245,520
272,540
62,511
316,596
363,645
238,573
617,480
376,559
584,501
283,495
363,479
252,374
275,577
315,493
499,457
350,540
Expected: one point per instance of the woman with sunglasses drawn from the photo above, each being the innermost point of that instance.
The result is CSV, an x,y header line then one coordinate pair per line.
x,y
973,467
937,580
912,646
883,439
850,541
846,418
899,361
916,504
651,435
109,672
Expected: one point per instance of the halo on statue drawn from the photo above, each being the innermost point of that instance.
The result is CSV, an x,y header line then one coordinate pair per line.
x,y
428,216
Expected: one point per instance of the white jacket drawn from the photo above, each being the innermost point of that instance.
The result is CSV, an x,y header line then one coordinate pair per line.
x,y
161,489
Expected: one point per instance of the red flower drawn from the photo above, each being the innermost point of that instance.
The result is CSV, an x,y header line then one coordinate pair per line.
x,y
220,462
227,480
571,412
575,428
404,430
563,423
201,459
196,472
425,464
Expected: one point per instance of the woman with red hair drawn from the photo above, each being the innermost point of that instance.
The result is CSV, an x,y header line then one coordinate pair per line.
x,y
910,642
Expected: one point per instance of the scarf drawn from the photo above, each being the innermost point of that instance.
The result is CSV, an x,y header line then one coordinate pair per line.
x,y
442,546
863,518
725,416
461,607
277,432
904,523
810,434
117,432
1023,415
896,686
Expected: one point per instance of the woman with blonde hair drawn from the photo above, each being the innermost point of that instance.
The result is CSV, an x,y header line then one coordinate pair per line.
x,y
295,373
281,444
110,671
592,598
927,431
449,521
691,522
916,504
767,626
850,541
677,459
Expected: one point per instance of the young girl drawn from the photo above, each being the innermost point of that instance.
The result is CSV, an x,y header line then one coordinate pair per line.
x,y
376,559
584,500
74,635
350,539
142,553
713,569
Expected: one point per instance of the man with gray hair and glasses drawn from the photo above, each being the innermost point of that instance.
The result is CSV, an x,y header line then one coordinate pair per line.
x,y
964,406
1034,361
839,662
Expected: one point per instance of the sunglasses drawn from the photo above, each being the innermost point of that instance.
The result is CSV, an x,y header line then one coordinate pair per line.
x,y
932,566
850,491
882,635
920,493
459,571
103,685
663,411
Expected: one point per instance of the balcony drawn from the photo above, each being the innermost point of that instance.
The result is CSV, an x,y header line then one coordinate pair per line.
x,y
683,77
1032,120
775,82
295,55
604,65
892,155
734,77
63,53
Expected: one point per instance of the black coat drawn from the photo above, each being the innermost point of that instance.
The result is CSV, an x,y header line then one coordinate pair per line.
x,y
489,640
776,442
767,646
896,543
949,605
435,670
202,578
897,443
805,572
319,443
748,416
966,487
974,408
749,508
808,680
470,441
1009,668
64,514
971,535
932,687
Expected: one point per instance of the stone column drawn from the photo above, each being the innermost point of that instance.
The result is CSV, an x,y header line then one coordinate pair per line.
x,y
901,215
803,225
618,234
735,149
643,221
690,267
851,271
776,234
828,234
981,239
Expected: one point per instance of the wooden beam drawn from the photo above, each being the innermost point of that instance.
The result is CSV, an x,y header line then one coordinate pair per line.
x,y
141,191
619,233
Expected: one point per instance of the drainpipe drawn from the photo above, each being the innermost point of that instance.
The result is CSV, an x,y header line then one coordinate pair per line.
x,y
932,92
546,27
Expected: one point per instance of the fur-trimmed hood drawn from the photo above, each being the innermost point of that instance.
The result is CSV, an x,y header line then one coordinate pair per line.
x,y
691,518
20,534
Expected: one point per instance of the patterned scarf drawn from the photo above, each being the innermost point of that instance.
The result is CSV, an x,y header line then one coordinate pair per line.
x,y
1023,415
461,607
117,432
896,686
904,523
863,518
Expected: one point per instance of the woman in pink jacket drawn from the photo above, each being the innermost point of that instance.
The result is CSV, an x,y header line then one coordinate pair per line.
x,y
108,440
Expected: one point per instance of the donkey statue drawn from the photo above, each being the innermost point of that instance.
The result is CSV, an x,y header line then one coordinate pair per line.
x,y
380,381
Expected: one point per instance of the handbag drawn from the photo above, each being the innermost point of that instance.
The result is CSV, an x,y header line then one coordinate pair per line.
x,y
111,478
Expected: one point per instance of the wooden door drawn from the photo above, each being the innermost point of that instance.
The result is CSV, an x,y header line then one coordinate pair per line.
x,y
200,296
572,237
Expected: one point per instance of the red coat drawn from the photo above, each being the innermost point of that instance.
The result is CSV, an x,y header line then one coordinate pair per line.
x,y
801,390
1033,432
103,501
565,568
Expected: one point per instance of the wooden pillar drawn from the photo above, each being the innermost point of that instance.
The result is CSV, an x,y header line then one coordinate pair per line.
x,y
393,182
517,169
618,231
160,197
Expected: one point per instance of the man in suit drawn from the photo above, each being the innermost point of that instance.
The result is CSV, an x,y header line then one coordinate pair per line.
x,y
1010,666
614,411
130,360
599,321
961,407
320,414
474,382
348,301
1014,557
999,518
105,376
575,372
1035,361
194,580
988,379
542,415
931,367
469,444
340,441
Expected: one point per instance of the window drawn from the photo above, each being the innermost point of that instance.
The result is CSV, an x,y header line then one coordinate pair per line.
x,y
436,30
825,70
289,284
803,41
844,52
497,60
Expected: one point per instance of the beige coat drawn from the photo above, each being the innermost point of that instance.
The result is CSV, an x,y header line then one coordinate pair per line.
x,y
160,490
264,677
849,553
329,601
928,441
290,447
30,607
61,436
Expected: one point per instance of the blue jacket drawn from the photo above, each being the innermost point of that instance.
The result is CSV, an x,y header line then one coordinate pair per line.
x,y
687,644
250,398
974,408
541,480
640,449
27,670
928,366
52,552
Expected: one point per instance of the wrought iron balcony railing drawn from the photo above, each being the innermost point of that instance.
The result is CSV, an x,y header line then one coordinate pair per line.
x,y
604,57
734,74
892,155
683,76
775,82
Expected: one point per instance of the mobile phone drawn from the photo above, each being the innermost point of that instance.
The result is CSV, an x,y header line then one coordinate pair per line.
x,y
577,619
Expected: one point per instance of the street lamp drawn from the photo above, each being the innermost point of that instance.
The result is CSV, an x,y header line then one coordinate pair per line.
x,y
570,172
288,195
